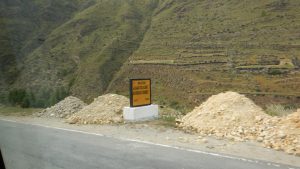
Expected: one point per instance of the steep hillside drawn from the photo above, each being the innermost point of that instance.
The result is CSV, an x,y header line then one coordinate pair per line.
x,y
24,26
205,47
191,49
83,54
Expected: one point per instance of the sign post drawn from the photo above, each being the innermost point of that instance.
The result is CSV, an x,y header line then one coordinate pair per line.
x,y
141,107
140,92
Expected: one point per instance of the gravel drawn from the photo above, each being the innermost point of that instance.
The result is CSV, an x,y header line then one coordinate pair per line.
x,y
103,110
233,116
63,109
225,111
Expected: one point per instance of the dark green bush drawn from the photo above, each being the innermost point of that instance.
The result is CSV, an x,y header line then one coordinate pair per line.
x,y
18,97
263,13
26,102
275,72
41,98
3,98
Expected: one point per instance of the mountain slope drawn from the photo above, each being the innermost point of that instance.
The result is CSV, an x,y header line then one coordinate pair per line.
x,y
24,26
84,53
205,47
191,49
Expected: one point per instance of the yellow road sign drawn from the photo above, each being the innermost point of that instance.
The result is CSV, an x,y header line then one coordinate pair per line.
x,y
140,92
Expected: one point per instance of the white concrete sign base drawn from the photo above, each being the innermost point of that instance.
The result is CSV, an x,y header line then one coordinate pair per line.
x,y
140,113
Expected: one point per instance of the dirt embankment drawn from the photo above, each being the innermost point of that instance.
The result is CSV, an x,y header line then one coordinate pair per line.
x,y
233,116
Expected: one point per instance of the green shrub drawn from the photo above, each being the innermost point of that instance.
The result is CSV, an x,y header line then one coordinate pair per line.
x,y
275,72
257,89
46,97
25,102
278,110
32,100
168,118
71,83
18,97
40,98
174,105
3,98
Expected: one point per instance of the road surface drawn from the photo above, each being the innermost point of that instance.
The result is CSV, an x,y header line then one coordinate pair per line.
x,y
26,146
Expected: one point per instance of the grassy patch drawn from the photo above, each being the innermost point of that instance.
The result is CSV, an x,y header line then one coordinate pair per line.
x,y
17,111
278,110
167,120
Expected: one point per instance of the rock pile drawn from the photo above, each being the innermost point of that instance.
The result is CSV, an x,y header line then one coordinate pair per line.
x,y
103,110
224,115
63,109
233,116
282,133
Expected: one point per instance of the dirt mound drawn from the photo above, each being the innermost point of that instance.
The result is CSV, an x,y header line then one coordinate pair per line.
x,y
104,109
230,112
233,116
284,133
63,109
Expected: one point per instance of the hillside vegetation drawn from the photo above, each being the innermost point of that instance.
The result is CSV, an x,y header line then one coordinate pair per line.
x,y
191,49
204,47
81,55
24,26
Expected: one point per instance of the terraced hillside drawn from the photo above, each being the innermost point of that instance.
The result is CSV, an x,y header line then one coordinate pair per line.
x,y
197,48
191,49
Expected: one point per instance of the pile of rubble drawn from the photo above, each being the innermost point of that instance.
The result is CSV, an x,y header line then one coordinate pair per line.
x,y
229,115
282,133
233,116
63,109
103,110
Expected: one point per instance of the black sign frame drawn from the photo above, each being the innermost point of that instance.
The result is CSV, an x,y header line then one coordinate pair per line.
x,y
131,92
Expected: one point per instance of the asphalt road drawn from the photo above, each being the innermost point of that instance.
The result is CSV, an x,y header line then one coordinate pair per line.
x,y
26,146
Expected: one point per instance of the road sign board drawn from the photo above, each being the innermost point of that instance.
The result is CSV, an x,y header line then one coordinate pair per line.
x,y
140,92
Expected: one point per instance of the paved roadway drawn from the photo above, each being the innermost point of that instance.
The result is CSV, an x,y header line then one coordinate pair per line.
x,y
26,146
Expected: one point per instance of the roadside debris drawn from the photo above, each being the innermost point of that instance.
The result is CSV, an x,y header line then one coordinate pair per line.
x,y
63,109
103,110
233,116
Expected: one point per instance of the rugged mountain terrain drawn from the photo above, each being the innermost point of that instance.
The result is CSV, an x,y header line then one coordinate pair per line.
x,y
191,49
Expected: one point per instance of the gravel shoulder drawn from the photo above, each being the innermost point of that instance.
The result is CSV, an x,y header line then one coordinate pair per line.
x,y
169,136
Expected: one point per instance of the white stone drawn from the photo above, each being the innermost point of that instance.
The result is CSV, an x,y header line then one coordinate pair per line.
x,y
281,135
259,139
140,113
204,140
